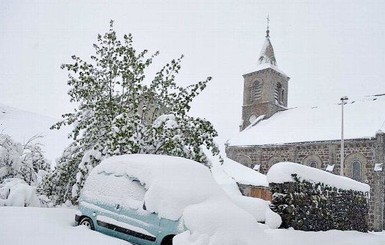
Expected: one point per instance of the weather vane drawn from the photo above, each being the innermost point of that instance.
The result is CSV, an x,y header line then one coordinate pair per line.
x,y
267,29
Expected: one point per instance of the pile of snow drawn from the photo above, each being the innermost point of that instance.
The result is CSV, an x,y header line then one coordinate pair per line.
x,y
180,188
257,207
47,226
363,119
22,126
283,171
244,175
15,192
224,180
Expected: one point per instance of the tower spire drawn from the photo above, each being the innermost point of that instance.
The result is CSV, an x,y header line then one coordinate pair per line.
x,y
267,52
267,29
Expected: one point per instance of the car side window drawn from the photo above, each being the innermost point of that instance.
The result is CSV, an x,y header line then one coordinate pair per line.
x,y
112,189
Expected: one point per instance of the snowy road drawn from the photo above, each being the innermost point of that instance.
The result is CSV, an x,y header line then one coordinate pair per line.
x,y
43,226
47,226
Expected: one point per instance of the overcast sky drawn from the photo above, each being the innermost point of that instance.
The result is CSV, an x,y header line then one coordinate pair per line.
x,y
328,48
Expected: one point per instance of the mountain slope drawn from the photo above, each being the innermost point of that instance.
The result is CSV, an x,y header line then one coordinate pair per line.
x,y
23,125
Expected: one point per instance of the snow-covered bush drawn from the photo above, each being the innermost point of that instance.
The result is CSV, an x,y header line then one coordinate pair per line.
x,y
15,192
121,113
313,200
57,186
24,161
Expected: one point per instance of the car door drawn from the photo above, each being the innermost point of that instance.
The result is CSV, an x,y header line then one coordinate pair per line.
x,y
140,226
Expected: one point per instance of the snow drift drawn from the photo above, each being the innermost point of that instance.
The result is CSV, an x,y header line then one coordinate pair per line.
x,y
178,188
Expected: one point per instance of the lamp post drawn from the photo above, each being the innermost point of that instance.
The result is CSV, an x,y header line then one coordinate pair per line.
x,y
343,99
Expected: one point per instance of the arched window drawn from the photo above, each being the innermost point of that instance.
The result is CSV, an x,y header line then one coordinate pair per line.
x,y
356,170
354,166
312,164
244,160
278,93
313,161
257,91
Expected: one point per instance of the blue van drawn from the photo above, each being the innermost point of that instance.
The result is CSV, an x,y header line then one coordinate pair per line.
x,y
113,203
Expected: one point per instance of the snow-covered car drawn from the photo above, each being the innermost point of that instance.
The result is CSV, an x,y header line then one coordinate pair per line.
x,y
113,201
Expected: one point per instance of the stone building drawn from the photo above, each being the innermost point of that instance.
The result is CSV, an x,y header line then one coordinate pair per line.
x,y
271,132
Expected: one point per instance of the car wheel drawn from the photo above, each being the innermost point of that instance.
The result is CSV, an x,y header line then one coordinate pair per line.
x,y
87,222
167,240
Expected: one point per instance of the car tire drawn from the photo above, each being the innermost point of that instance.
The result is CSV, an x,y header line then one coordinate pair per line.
x,y
167,240
87,222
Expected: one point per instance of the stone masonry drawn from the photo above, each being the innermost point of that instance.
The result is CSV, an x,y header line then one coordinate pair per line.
x,y
322,154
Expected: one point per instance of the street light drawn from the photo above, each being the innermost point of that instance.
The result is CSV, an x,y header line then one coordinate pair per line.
x,y
343,99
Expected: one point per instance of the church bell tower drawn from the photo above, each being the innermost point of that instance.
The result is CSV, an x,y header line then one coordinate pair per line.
x,y
265,90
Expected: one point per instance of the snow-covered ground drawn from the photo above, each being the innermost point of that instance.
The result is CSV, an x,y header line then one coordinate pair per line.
x,y
23,125
55,226
47,226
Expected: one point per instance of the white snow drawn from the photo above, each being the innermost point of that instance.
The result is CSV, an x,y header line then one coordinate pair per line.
x,y
263,67
168,120
15,192
282,172
55,226
330,167
378,167
47,226
273,220
181,188
172,183
243,174
257,207
362,119
22,126
217,221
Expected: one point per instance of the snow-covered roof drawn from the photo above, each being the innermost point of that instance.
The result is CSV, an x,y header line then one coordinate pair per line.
x,y
267,53
282,172
244,175
362,119
265,66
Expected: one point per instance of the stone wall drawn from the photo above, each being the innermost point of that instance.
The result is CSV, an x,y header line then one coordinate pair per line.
x,y
318,207
322,154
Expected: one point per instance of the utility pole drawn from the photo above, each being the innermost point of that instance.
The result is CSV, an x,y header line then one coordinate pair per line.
x,y
343,99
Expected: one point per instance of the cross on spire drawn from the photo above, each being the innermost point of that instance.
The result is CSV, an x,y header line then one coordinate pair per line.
x,y
268,22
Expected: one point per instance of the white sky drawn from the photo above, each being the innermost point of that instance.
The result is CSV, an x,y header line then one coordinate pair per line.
x,y
328,48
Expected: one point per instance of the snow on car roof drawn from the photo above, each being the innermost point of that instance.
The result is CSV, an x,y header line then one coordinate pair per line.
x,y
172,183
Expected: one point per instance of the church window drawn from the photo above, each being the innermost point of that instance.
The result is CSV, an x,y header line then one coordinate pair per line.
x,y
312,164
356,170
278,93
257,90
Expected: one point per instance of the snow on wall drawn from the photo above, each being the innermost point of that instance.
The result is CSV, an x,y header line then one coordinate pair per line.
x,y
282,172
362,119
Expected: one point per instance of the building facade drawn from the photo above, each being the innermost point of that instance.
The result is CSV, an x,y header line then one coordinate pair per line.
x,y
266,94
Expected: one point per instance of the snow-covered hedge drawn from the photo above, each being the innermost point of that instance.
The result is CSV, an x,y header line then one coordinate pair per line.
x,y
15,192
314,200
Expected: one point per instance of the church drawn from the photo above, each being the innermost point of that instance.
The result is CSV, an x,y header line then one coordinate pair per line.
x,y
272,132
